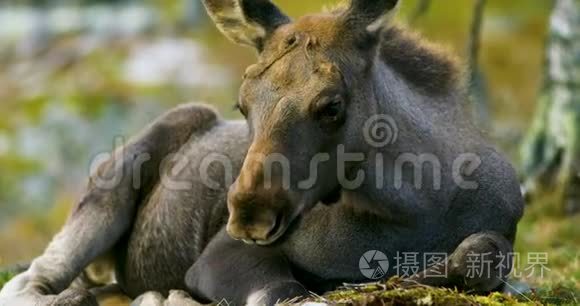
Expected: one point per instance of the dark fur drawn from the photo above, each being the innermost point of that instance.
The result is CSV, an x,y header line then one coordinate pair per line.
x,y
428,68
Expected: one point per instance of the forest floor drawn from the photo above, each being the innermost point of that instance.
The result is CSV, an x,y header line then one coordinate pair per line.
x,y
539,232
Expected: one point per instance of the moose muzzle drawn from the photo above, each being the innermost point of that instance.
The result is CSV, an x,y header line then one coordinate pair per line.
x,y
260,206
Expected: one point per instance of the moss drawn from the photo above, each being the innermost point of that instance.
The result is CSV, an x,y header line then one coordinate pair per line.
x,y
393,293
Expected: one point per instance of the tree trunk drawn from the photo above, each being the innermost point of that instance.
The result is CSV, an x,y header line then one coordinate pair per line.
x,y
551,152
477,80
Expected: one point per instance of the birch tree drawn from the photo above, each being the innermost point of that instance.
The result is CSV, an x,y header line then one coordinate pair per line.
x,y
551,152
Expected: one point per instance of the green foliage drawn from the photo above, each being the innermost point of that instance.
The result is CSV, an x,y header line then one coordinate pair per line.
x,y
5,277
543,231
560,294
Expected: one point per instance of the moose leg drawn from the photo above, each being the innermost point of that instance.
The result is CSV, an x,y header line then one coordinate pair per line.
x,y
481,263
106,211
242,274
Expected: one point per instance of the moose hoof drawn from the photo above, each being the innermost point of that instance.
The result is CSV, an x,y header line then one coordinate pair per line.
x,y
150,298
180,298
176,298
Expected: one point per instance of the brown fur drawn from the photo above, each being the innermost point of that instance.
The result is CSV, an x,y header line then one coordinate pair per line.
x,y
430,68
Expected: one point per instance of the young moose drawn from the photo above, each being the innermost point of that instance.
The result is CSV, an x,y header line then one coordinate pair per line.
x,y
263,238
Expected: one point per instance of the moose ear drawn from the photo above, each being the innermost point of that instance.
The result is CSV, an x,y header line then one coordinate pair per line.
x,y
370,15
246,22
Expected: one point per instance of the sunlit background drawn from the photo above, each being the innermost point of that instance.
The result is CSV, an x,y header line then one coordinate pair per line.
x,y
76,74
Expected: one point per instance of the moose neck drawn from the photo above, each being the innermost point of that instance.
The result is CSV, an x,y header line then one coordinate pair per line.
x,y
420,124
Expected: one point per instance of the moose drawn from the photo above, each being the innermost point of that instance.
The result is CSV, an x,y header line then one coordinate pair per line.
x,y
260,237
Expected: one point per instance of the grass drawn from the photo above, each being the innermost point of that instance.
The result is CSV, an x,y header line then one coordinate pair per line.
x,y
543,231
5,277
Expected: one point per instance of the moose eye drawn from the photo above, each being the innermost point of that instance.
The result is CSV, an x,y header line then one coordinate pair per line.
x,y
331,110
291,40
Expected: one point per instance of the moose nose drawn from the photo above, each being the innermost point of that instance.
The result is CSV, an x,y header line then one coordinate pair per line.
x,y
258,204
257,231
256,216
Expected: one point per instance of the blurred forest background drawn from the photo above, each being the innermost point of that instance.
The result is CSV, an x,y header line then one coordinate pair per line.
x,y
76,74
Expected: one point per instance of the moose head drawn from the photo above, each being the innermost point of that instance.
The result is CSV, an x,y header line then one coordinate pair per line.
x,y
305,96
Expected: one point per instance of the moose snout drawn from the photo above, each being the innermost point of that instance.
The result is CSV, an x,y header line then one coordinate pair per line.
x,y
257,217
251,226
